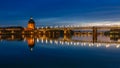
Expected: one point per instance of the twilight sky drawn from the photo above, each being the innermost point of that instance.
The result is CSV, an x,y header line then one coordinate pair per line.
x,y
58,12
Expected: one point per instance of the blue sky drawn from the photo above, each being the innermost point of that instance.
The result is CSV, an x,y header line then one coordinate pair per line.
x,y
53,12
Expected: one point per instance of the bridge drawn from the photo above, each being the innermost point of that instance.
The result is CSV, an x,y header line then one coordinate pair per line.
x,y
67,29
89,30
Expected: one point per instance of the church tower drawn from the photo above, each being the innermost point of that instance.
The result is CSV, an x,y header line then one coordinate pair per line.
x,y
31,24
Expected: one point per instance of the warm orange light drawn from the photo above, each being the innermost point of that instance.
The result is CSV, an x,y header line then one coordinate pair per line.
x,y
31,26
31,42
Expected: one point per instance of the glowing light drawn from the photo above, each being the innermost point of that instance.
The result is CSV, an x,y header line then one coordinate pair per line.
x,y
74,43
65,42
62,43
37,40
68,43
78,43
117,46
46,41
97,45
51,41
42,41
84,43
107,45
56,42
71,43
90,45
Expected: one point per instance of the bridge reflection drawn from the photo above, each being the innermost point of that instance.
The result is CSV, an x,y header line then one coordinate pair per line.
x,y
86,39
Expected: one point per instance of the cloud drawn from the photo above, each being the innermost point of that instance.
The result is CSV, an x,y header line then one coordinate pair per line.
x,y
102,23
74,21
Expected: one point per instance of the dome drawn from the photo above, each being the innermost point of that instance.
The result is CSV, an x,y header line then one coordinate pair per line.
x,y
31,21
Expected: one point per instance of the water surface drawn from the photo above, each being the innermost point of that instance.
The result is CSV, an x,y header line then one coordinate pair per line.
x,y
60,52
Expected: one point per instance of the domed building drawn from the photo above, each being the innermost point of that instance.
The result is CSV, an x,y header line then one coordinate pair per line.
x,y
31,24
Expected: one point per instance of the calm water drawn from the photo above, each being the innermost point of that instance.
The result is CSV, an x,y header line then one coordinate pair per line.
x,y
62,52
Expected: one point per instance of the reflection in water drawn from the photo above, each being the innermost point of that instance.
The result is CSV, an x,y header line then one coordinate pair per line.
x,y
31,43
76,39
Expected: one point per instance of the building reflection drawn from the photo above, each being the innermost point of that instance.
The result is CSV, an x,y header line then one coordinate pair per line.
x,y
31,42
62,40
114,34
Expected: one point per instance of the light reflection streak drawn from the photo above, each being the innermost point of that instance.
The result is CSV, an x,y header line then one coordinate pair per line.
x,y
37,40
46,41
51,41
68,42
117,46
42,41
106,45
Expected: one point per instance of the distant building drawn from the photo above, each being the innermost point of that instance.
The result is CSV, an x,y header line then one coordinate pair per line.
x,y
31,24
18,30
11,30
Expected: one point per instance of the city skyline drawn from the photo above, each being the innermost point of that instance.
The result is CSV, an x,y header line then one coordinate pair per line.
x,y
57,12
